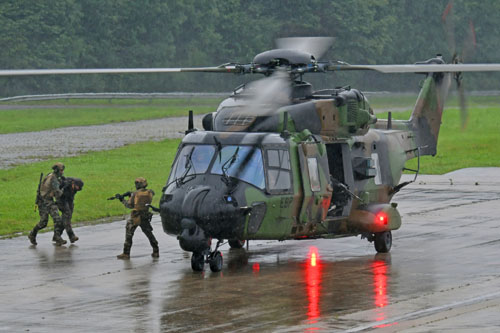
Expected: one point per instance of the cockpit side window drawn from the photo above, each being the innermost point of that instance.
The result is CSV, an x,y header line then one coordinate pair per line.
x,y
278,170
312,166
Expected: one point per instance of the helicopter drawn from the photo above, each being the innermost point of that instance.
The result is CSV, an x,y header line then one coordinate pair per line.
x,y
279,160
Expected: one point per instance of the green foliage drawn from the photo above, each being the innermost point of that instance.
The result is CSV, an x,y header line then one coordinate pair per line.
x,y
104,174
155,33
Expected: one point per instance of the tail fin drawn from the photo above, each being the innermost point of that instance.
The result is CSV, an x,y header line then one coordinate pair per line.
x,y
425,119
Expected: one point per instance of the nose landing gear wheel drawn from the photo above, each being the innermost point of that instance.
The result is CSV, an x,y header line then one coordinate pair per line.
x,y
197,262
383,241
216,262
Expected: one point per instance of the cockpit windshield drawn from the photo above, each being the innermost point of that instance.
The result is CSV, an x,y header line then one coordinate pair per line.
x,y
242,162
247,164
193,160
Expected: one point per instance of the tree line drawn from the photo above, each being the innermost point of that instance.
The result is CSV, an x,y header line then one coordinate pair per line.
x,y
183,33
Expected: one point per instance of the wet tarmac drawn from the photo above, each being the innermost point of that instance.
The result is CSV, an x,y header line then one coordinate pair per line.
x,y
29,147
443,274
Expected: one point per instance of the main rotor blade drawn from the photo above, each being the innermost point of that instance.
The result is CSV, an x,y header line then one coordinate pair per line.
x,y
226,68
420,68
317,46
237,68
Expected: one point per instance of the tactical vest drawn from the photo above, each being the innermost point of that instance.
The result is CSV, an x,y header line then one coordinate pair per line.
x,y
141,198
46,189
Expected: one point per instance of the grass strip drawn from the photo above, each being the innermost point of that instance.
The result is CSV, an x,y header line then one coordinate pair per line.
x,y
61,113
104,174
16,121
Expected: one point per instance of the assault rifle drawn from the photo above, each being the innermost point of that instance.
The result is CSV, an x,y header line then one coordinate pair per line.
x,y
153,208
38,196
120,196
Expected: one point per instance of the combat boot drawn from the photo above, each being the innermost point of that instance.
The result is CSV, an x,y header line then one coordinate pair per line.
x,y
72,237
58,239
123,256
32,236
126,252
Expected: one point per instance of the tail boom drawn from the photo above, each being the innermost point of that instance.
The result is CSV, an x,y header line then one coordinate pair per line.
x,y
425,120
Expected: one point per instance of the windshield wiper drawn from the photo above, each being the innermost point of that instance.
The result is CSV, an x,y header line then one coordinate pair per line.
x,y
230,161
219,148
187,167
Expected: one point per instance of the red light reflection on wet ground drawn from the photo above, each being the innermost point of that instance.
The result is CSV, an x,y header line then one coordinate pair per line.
x,y
313,275
380,282
379,269
256,268
313,268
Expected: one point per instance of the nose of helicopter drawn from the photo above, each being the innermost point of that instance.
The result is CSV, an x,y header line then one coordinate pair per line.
x,y
211,208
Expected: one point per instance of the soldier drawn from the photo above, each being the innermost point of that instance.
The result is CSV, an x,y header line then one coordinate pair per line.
x,y
50,190
140,216
66,203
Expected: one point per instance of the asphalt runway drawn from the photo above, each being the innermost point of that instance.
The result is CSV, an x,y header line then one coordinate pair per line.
x,y
442,274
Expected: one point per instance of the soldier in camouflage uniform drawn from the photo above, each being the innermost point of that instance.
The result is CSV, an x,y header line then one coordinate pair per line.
x,y
66,203
50,190
140,216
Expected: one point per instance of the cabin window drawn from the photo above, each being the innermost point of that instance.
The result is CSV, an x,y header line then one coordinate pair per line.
x,y
278,159
278,170
247,164
312,165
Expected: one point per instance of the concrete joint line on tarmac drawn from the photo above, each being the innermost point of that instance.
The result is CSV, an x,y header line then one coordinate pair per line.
x,y
426,312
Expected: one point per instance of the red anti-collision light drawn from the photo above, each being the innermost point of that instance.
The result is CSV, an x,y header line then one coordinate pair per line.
x,y
381,218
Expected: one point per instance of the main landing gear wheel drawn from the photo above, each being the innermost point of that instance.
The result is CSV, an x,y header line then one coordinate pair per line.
x,y
383,241
236,243
197,262
214,259
216,262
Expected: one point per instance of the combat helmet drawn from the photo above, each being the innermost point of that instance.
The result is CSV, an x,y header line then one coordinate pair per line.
x,y
58,167
76,181
141,182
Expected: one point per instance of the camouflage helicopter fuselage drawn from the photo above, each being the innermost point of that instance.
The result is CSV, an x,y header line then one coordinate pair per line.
x,y
323,166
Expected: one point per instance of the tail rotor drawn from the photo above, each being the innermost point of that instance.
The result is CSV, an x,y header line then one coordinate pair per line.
x,y
467,52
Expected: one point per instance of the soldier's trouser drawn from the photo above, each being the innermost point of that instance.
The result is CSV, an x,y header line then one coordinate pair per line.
x,y
46,208
147,229
66,214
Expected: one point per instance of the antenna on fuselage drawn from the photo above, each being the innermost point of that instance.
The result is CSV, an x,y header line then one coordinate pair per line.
x,y
190,122
285,134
